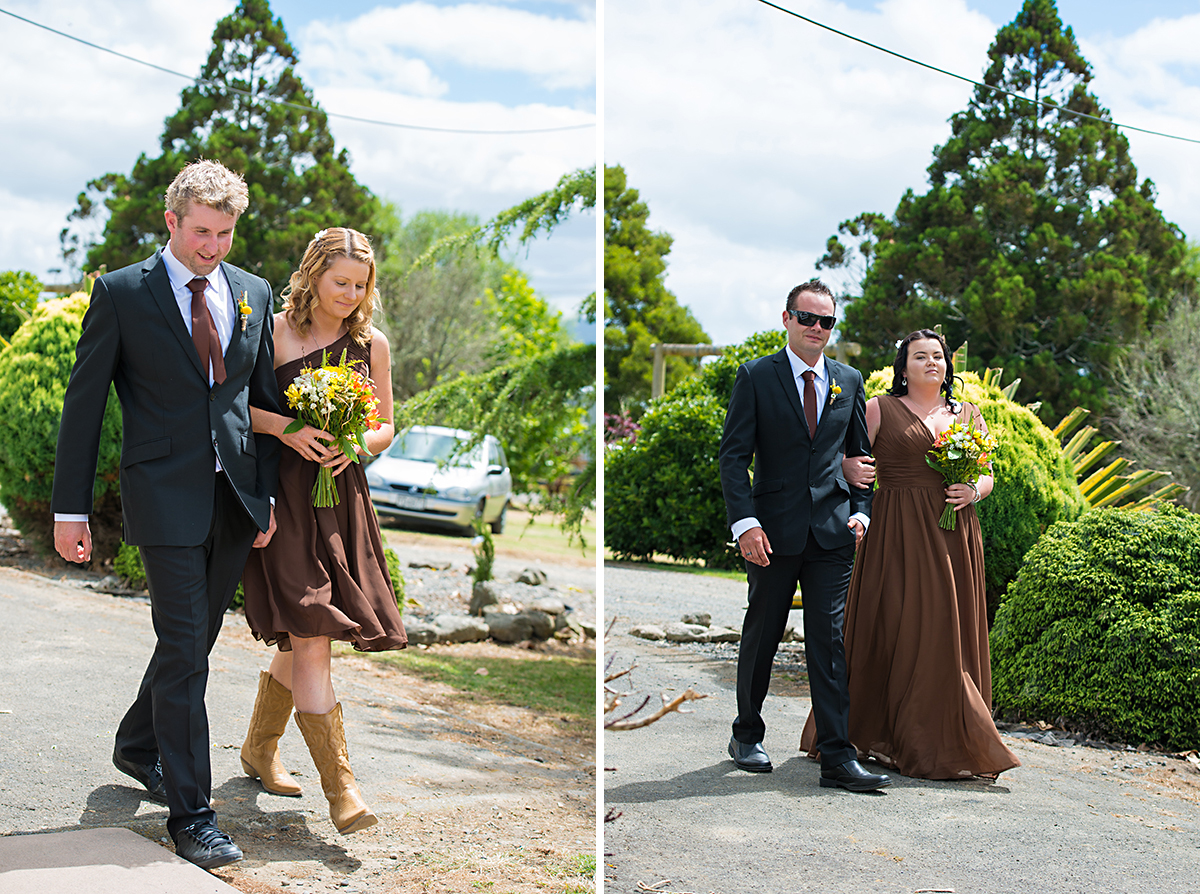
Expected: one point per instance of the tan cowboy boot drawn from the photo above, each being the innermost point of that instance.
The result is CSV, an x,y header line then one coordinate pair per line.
x,y
326,740
260,751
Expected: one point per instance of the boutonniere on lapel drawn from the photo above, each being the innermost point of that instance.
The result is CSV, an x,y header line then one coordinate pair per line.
x,y
244,311
834,390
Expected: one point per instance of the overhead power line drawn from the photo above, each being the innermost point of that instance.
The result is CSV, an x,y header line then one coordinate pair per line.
x,y
951,74
281,102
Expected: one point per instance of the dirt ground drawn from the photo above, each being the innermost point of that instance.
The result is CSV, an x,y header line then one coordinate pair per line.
x,y
471,795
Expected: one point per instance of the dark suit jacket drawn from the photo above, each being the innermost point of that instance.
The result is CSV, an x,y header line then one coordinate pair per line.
x,y
798,482
134,336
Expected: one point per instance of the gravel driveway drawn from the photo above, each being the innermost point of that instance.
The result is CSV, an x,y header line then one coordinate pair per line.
x,y
1070,819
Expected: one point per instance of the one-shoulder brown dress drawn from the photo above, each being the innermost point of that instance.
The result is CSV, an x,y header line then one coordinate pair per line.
x,y
324,572
917,655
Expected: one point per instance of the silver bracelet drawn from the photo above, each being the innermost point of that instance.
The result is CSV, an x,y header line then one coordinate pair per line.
x,y
974,488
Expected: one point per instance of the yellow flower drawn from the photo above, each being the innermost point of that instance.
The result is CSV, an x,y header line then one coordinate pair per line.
x,y
834,389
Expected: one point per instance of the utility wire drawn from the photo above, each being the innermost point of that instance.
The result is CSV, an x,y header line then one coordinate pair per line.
x,y
282,102
1037,102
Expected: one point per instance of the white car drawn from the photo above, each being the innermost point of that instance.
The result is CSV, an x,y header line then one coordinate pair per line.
x,y
425,476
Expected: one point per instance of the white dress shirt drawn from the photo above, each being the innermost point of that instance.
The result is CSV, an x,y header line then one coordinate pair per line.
x,y
821,384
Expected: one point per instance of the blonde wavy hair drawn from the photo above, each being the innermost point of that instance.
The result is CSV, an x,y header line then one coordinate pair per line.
x,y
300,296
208,182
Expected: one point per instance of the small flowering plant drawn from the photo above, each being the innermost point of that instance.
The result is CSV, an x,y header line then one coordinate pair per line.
x,y
338,399
962,454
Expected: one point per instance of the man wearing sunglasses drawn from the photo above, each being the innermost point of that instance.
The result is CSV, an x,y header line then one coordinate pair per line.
x,y
795,414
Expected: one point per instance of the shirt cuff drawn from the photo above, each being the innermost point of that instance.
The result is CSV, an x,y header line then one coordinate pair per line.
x,y
865,519
69,517
742,525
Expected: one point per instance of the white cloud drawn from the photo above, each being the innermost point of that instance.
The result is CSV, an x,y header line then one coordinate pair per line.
x,y
557,52
71,113
753,134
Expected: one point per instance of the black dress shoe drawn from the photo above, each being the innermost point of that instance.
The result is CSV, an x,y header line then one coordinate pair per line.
x,y
852,777
749,757
207,846
149,775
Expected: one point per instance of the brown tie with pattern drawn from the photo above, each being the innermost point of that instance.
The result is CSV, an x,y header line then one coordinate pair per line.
x,y
204,331
810,402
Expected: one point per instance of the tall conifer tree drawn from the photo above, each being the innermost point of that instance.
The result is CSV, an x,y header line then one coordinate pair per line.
x,y
299,183
1035,240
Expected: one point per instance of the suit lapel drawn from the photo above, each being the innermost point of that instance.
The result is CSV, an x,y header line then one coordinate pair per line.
x,y
783,367
237,286
154,272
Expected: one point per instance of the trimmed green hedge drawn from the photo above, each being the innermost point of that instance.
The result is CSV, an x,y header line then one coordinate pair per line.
x,y
1102,628
34,370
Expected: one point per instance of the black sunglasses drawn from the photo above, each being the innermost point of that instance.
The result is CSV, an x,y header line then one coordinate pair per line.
x,y
804,318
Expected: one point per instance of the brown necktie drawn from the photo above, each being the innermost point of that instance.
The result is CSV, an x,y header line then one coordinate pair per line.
x,y
204,332
810,402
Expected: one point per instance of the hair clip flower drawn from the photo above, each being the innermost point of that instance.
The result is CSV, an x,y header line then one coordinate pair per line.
x,y
834,390
244,310
320,233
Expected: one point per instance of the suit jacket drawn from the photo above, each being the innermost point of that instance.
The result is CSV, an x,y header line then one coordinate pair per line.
x,y
134,336
798,482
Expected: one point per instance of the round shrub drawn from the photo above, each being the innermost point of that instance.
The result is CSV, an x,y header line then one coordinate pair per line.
x,y
1035,484
1101,628
663,493
34,370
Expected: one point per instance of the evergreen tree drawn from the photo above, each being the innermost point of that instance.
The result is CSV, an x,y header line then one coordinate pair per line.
x,y
639,310
1035,240
299,183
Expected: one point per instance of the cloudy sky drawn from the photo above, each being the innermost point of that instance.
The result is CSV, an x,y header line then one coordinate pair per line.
x,y
71,113
751,134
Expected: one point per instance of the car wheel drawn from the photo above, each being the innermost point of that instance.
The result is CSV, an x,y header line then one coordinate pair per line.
x,y
498,524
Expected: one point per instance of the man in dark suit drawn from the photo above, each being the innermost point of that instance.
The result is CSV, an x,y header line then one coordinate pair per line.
x,y
796,414
187,341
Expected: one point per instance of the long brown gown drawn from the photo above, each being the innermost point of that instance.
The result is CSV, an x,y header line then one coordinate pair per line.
x,y
917,656
324,571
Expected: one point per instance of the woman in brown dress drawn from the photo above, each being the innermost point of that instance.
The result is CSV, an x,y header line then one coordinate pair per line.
x,y
323,575
918,662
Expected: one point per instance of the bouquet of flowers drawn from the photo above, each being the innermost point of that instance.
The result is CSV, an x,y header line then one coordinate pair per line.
x,y
335,398
961,453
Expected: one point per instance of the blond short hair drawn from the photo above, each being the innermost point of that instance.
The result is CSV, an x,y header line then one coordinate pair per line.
x,y
210,183
300,296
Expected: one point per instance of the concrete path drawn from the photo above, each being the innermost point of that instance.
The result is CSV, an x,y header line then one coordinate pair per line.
x,y
1068,820
71,662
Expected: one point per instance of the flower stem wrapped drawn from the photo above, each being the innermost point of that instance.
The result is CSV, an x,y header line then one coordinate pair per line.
x,y
337,399
962,453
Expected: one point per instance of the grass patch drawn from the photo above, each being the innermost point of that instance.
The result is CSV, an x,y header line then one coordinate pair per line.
x,y
552,684
681,567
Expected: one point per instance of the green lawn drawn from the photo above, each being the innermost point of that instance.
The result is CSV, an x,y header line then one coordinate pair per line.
x,y
551,684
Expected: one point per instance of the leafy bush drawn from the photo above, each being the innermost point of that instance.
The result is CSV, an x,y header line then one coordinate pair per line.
x,y
34,370
1035,484
19,292
1102,628
393,565
485,552
128,566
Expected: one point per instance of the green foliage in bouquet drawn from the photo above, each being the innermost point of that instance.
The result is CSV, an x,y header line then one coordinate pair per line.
x,y
1035,483
1102,628
34,370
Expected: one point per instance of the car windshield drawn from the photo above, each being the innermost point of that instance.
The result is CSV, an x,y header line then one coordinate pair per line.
x,y
428,447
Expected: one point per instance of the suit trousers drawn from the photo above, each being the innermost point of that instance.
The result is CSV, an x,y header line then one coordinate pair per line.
x,y
190,589
823,576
